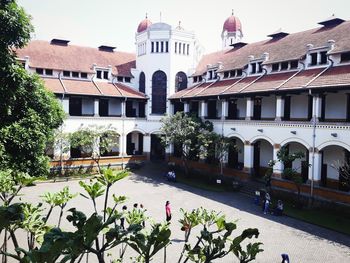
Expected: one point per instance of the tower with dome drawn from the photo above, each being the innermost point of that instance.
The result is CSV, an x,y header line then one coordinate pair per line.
x,y
231,32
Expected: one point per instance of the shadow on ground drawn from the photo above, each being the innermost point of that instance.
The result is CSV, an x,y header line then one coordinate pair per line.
x,y
153,173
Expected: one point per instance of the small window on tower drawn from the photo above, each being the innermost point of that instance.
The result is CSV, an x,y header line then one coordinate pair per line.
x,y
157,46
162,46
152,47
166,46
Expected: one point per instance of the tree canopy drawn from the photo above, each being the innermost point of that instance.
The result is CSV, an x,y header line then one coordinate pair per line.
x,y
29,113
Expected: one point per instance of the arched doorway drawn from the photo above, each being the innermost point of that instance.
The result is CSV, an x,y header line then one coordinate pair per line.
x,y
134,143
159,89
142,83
335,167
235,158
157,149
301,166
263,154
180,81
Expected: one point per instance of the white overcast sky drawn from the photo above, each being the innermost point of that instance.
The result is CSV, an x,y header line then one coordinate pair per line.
x,y
114,22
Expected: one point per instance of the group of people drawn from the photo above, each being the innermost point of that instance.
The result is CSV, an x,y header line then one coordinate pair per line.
x,y
267,204
171,176
135,208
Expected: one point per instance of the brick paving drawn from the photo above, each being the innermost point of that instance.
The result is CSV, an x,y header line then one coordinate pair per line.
x,y
302,241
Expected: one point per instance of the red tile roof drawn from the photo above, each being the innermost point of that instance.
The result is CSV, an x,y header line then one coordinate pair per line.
x,y
42,54
335,76
79,87
301,79
294,43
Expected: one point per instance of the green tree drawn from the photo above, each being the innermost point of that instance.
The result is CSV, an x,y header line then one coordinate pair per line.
x,y
29,113
95,141
190,133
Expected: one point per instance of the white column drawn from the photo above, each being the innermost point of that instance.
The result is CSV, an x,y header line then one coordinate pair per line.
x,y
171,109
122,145
65,104
318,57
248,157
224,109
147,145
279,108
203,109
186,107
96,107
123,108
316,106
315,166
278,167
146,108
250,108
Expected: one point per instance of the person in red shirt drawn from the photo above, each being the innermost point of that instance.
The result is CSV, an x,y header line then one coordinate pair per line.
x,y
167,211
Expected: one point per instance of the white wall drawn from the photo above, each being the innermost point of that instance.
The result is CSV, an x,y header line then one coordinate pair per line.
x,y
114,107
266,152
330,155
299,106
87,106
268,107
336,106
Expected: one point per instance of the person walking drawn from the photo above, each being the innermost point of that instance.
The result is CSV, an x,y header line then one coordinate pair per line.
x,y
122,219
167,211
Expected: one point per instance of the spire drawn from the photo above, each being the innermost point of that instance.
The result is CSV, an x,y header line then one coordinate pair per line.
x,y
232,12
146,15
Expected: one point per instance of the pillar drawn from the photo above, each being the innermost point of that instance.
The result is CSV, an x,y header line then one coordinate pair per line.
x,y
96,107
122,145
250,108
315,167
316,107
123,108
224,109
248,157
203,109
171,108
279,108
278,167
147,145
186,107
65,104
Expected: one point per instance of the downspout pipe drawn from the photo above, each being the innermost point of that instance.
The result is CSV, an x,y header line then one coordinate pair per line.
x,y
314,126
61,128
123,119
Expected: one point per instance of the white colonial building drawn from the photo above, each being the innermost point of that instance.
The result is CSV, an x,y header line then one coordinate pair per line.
x,y
288,90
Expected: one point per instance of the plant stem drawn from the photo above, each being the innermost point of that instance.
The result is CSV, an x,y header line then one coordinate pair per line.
x,y
15,242
60,217
48,214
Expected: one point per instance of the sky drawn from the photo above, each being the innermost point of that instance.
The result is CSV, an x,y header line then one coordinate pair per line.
x,y
114,22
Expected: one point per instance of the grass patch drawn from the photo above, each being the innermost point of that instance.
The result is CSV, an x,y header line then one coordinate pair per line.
x,y
199,184
333,220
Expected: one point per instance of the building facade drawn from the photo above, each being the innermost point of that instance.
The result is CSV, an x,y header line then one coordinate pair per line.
x,y
290,90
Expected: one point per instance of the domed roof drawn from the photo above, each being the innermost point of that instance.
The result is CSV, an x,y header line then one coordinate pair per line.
x,y
232,24
144,24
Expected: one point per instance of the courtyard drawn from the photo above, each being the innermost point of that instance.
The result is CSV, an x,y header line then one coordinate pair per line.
x,y
303,242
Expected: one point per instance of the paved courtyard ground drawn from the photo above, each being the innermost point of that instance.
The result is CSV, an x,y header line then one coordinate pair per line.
x,y
302,241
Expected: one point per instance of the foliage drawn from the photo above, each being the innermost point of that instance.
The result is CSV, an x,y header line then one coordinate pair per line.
x,y
28,112
190,133
343,169
290,173
94,140
215,239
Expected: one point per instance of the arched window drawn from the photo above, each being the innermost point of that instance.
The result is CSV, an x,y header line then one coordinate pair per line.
x,y
180,81
142,82
159,80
